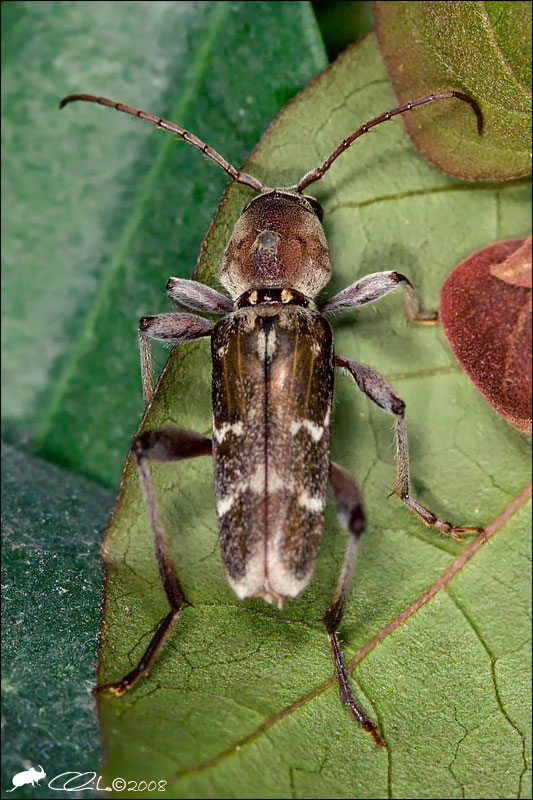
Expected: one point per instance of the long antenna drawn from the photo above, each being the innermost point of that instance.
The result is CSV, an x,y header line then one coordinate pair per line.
x,y
190,138
316,173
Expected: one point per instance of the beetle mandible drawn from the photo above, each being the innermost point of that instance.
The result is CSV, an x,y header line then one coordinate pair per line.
x,y
272,390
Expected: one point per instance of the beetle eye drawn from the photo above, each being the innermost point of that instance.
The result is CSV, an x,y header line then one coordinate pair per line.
x,y
315,205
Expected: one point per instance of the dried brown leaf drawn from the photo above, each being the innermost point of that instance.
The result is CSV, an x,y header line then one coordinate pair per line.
x,y
517,268
487,321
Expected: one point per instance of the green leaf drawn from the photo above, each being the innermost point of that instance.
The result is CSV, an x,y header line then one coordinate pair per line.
x,y
236,704
481,48
102,207
52,594
97,218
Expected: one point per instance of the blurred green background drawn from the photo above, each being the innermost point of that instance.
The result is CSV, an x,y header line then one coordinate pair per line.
x,y
342,23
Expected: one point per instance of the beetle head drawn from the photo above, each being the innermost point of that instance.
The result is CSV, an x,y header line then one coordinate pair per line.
x,y
277,241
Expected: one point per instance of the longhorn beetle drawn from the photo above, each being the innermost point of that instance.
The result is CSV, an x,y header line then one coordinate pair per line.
x,y
273,365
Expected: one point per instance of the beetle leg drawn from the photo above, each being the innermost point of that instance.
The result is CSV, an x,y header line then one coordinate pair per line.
x,y
375,286
163,444
383,395
173,328
197,296
349,503
351,512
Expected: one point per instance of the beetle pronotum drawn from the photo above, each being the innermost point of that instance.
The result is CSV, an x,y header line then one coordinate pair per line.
x,y
273,366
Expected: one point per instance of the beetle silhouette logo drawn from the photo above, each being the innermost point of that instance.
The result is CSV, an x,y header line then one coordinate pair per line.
x,y
27,776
